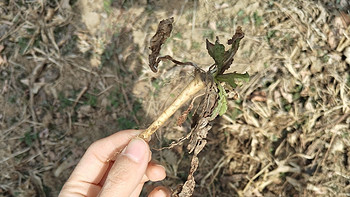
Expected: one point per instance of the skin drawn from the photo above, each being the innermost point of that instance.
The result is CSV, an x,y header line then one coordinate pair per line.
x,y
117,165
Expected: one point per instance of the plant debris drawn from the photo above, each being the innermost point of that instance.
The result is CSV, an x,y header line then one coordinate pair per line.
x,y
163,32
211,106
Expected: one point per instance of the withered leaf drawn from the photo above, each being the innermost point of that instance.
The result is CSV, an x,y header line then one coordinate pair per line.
x,y
188,187
236,38
163,32
184,115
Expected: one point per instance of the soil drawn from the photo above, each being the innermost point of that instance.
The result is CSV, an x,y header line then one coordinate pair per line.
x,y
72,72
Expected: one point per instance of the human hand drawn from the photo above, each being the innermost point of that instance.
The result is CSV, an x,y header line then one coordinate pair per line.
x,y
102,173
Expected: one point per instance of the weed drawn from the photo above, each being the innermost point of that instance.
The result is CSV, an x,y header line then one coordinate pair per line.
x,y
283,175
91,100
114,98
270,35
274,138
12,99
286,106
246,20
288,40
29,138
235,112
137,106
266,65
22,43
257,18
195,45
126,123
127,4
178,35
107,6
70,45
226,133
30,31
64,101
325,58
240,13
296,92
156,84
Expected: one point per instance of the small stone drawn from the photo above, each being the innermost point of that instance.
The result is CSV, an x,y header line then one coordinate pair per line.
x,y
347,60
332,41
347,52
316,66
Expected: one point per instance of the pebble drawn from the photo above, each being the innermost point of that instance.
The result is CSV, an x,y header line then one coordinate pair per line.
x,y
347,54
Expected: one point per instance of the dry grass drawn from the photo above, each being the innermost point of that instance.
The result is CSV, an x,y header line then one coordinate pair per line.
x,y
66,80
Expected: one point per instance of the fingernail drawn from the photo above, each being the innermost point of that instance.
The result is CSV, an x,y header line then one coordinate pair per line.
x,y
160,192
136,149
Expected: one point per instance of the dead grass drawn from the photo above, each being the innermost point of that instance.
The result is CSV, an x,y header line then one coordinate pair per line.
x,y
66,81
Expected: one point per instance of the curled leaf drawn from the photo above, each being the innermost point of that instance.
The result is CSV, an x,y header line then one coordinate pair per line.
x,y
163,32
236,38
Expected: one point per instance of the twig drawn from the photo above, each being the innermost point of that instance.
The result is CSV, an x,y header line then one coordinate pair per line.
x,y
15,154
105,90
71,62
218,165
81,124
256,176
37,70
82,92
14,126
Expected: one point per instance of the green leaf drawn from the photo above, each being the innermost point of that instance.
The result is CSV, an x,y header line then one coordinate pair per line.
x,y
217,52
232,78
221,108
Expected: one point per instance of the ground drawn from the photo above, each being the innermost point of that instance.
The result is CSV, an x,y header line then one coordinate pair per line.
x,y
72,72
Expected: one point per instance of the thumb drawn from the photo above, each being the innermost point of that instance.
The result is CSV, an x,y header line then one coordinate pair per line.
x,y
127,170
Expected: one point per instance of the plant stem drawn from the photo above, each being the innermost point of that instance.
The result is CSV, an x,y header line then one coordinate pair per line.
x,y
191,89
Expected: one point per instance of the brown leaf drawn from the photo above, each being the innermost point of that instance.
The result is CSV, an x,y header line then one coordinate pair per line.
x,y
332,40
163,32
236,38
345,18
258,96
184,115
199,131
188,187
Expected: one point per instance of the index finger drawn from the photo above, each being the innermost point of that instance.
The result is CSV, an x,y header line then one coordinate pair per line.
x,y
94,163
